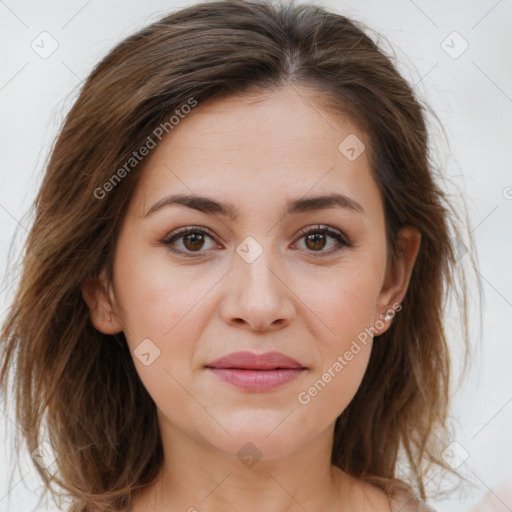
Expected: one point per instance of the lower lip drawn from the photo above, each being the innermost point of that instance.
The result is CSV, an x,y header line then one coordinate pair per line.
x,y
257,380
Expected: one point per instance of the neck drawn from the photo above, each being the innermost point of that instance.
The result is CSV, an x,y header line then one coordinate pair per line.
x,y
197,477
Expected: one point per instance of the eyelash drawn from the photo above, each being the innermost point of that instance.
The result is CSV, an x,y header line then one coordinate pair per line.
x,y
180,233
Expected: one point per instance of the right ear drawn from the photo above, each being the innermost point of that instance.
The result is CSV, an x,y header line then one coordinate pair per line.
x,y
102,305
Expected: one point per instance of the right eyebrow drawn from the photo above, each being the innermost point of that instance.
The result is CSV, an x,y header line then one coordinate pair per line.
x,y
211,206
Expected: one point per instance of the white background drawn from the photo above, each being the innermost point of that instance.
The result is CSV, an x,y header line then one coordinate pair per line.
x,y
472,94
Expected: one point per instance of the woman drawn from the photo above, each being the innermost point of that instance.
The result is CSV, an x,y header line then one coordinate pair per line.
x,y
233,290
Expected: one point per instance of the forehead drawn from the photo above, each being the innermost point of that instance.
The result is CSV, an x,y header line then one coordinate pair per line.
x,y
260,149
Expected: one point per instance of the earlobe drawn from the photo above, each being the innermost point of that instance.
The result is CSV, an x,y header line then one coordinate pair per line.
x,y
398,276
102,306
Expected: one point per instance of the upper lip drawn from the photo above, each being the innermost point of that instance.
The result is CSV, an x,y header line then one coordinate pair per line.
x,y
252,361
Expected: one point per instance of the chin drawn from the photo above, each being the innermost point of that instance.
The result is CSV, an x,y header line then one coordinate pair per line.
x,y
265,436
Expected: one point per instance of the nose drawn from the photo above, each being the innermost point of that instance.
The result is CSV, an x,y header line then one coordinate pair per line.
x,y
257,296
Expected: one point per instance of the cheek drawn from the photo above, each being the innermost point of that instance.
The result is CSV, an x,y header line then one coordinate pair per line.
x,y
332,389
345,303
158,317
154,297
343,359
162,303
347,306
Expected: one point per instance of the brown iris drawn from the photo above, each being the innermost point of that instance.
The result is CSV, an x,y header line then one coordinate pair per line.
x,y
318,240
196,241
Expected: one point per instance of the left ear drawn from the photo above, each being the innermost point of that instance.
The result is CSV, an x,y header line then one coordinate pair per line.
x,y
398,275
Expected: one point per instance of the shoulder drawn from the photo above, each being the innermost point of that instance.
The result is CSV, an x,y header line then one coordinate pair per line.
x,y
406,501
364,495
403,500
373,499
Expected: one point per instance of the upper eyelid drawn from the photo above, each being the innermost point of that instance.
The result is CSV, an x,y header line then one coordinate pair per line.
x,y
180,232
302,231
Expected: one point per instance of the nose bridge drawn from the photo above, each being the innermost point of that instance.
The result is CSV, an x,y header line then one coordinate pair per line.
x,y
256,265
256,293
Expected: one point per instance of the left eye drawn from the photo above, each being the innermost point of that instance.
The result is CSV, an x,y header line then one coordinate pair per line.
x,y
316,239
193,240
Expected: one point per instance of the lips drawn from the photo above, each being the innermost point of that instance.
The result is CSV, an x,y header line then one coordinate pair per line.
x,y
251,361
256,372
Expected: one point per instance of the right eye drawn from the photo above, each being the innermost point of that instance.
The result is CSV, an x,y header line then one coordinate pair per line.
x,y
193,239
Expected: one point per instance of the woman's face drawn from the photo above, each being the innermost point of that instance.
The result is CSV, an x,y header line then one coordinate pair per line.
x,y
258,282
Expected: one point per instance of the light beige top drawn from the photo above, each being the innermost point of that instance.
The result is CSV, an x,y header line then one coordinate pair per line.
x,y
404,503
407,502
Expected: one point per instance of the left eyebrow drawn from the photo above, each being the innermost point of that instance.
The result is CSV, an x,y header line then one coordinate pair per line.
x,y
211,206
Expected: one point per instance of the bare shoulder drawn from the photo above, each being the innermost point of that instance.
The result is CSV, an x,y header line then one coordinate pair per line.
x,y
367,497
406,501
376,499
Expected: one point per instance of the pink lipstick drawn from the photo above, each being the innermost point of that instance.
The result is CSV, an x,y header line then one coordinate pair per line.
x,y
256,372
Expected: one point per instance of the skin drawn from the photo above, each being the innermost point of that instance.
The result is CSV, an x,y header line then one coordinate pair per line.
x,y
301,299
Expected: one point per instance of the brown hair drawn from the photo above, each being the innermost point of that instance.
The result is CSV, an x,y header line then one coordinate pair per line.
x,y
82,384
